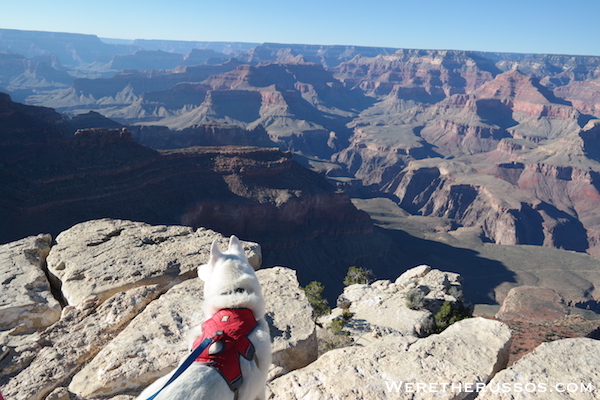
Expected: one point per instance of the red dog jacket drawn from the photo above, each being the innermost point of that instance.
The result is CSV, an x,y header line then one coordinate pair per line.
x,y
230,329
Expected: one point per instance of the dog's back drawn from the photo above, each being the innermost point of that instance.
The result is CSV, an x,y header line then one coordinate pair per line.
x,y
230,283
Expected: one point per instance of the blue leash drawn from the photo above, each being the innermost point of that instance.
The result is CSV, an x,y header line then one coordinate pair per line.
x,y
185,364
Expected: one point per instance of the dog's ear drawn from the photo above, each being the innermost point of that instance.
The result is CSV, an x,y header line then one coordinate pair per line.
x,y
235,246
215,253
205,270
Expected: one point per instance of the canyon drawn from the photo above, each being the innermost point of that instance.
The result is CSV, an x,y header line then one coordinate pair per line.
x,y
500,145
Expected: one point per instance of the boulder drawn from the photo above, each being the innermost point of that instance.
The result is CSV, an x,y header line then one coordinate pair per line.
x,y
412,275
532,304
405,306
563,369
76,338
444,366
392,315
149,347
289,314
103,257
26,298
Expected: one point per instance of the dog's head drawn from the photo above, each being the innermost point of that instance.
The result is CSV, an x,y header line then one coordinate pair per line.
x,y
230,281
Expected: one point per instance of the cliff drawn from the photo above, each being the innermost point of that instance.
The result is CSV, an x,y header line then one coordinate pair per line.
x,y
510,127
256,192
365,116
52,179
298,104
207,134
425,75
114,330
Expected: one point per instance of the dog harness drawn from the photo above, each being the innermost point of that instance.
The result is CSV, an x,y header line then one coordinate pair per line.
x,y
229,330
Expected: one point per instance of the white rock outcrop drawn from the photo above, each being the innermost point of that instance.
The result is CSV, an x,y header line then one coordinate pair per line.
x,y
74,340
156,340
293,332
397,367
405,306
133,296
103,257
148,348
563,369
25,298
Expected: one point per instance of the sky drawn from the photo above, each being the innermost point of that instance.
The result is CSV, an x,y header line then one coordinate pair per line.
x,y
517,26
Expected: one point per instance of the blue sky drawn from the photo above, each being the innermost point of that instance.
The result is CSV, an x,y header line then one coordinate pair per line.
x,y
525,26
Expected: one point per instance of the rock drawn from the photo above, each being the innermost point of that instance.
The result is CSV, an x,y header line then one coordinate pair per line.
x,y
532,304
149,347
205,134
293,332
76,338
412,275
26,298
392,311
16,352
406,306
60,393
103,257
563,369
466,353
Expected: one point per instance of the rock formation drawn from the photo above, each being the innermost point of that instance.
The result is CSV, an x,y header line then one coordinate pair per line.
x,y
500,144
552,371
26,299
423,75
207,134
467,353
407,305
532,304
109,341
53,180
116,335
373,112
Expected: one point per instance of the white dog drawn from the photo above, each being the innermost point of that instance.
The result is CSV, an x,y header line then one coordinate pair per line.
x,y
234,309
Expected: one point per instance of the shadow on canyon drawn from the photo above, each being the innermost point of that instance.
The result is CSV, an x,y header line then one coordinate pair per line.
x,y
389,253
481,275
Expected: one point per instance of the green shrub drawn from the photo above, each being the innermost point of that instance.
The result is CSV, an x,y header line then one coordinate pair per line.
x,y
347,315
450,313
336,326
415,299
334,336
358,275
314,295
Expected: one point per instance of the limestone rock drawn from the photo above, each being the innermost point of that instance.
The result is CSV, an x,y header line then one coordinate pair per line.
x,y
60,393
17,350
384,306
26,298
532,304
563,369
74,339
405,306
412,275
149,347
293,332
102,257
468,352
